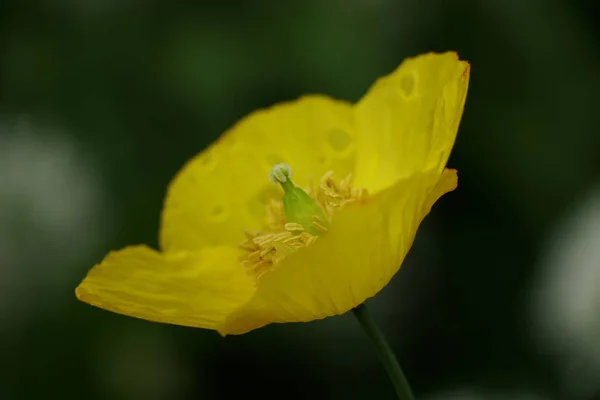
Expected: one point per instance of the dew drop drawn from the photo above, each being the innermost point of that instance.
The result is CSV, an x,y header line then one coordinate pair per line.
x,y
338,140
229,140
217,213
408,84
323,160
207,161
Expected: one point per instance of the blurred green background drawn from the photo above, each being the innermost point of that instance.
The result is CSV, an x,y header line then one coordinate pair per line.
x,y
102,101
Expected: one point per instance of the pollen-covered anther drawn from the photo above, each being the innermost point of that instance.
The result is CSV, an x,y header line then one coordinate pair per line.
x,y
319,223
293,226
335,196
282,237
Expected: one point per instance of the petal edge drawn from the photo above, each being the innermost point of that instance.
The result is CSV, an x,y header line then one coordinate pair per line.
x,y
408,120
354,261
198,289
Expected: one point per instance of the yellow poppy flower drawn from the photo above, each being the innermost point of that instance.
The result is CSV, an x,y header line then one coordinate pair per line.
x,y
232,256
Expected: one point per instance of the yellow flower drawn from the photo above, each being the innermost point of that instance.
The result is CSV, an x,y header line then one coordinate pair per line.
x,y
231,257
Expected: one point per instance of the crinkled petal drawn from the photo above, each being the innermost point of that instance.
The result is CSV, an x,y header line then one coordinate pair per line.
x,y
407,121
351,263
199,289
225,188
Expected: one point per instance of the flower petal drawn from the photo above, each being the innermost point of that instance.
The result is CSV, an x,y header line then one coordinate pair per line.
x,y
407,121
225,188
352,262
198,289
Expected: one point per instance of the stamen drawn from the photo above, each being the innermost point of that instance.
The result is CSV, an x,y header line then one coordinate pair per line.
x,y
248,246
327,176
320,227
266,251
297,220
251,234
293,240
292,226
254,256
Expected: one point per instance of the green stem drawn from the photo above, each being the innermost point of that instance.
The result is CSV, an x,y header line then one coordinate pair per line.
x,y
385,353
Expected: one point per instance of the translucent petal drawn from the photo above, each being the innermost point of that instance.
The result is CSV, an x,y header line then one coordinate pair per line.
x,y
225,188
352,262
407,121
198,289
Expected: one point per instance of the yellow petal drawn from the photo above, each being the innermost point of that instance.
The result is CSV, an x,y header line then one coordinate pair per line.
x,y
407,121
352,262
225,188
198,289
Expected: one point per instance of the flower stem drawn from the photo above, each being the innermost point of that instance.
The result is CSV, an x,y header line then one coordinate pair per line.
x,y
385,353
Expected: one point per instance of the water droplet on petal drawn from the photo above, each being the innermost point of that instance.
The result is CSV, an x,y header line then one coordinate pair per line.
x,y
218,213
408,85
207,160
323,161
229,140
339,140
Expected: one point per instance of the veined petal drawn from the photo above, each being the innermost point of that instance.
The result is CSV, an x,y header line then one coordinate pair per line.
x,y
359,255
198,289
225,188
407,121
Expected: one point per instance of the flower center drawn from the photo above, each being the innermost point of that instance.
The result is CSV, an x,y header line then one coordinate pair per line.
x,y
297,219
